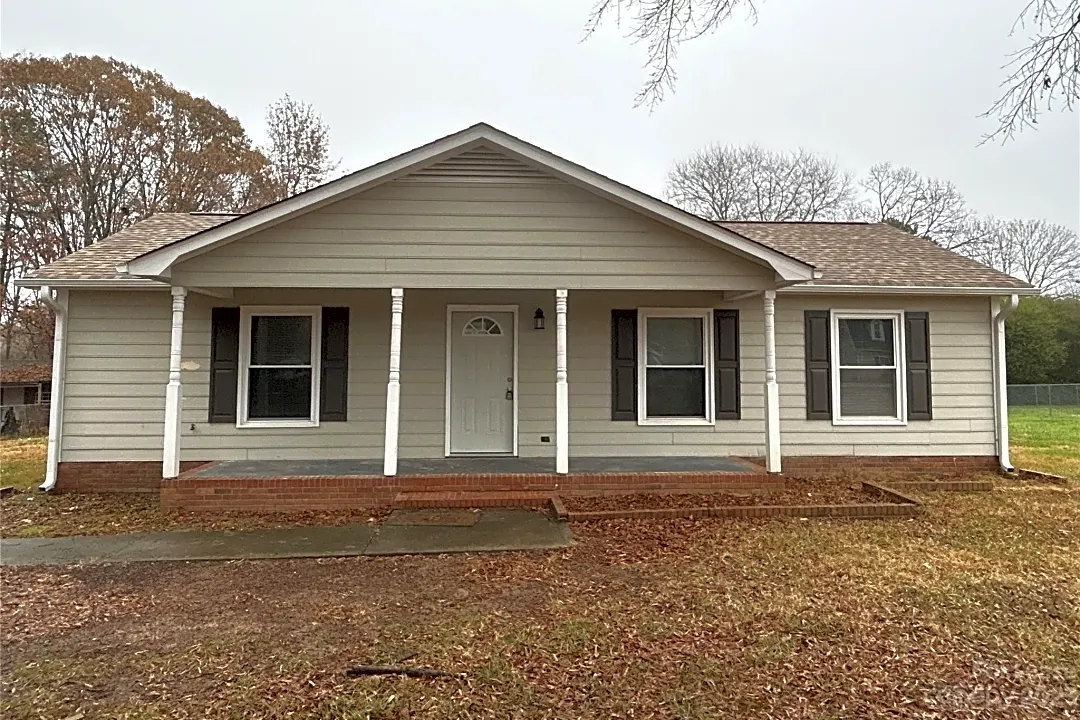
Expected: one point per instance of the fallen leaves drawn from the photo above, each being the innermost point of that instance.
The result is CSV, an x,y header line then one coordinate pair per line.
x,y
36,514
971,610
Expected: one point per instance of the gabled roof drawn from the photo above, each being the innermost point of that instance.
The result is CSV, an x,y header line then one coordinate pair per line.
x,y
874,255
818,255
157,263
98,262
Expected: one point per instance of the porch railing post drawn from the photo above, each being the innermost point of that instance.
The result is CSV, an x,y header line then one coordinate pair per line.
x,y
393,385
772,389
173,391
562,390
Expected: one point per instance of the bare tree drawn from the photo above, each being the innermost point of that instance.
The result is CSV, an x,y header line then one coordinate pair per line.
x,y
724,182
299,148
663,25
1042,253
1045,71
934,209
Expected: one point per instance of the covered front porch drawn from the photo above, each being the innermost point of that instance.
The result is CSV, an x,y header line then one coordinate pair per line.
x,y
553,374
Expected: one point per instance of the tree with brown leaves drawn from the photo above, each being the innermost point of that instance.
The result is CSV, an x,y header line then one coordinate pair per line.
x,y
89,145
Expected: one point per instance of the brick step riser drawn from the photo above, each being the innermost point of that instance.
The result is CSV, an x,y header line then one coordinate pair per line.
x,y
470,503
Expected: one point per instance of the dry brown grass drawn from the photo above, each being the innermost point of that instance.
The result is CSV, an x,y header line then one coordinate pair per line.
x,y
972,610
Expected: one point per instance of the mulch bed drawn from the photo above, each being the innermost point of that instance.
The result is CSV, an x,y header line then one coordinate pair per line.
x,y
36,514
796,492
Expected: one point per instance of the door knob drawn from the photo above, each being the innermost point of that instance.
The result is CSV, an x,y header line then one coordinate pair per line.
x,y
509,393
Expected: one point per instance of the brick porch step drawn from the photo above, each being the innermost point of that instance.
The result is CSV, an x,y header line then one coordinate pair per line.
x,y
444,499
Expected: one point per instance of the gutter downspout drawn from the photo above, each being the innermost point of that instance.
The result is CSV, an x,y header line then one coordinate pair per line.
x,y
58,303
999,314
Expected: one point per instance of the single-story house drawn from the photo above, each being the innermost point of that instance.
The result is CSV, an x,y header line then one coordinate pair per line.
x,y
479,310
25,391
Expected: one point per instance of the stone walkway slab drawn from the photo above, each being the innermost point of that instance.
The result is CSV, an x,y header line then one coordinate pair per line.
x,y
495,531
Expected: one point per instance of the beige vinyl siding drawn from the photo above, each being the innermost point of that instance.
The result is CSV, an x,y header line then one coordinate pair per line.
x,y
961,374
118,348
117,367
594,433
429,234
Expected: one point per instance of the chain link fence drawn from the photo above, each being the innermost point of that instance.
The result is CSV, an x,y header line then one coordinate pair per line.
x,y
1052,397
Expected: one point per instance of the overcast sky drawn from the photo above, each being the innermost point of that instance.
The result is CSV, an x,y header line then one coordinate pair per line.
x,y
859,81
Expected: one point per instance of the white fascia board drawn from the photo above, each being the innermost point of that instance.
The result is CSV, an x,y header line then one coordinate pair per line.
x,y
134,283
903,290
156,264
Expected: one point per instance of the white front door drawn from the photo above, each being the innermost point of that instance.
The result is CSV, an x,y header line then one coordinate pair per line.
x,y
481,396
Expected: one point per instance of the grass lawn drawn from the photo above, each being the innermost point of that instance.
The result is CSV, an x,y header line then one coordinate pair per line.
x,y
971,610
22,462
1046,439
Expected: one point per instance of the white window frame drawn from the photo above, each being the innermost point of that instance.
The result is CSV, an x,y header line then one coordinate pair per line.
x,y
246,313
706,317
899,365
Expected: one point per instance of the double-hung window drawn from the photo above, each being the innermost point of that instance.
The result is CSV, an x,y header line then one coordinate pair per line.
x,y
279,371
868,372
675,377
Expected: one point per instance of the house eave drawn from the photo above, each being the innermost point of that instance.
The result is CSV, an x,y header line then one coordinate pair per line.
x,y
817,289
133,283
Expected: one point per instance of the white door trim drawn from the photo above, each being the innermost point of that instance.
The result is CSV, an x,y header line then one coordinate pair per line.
x,y
450,310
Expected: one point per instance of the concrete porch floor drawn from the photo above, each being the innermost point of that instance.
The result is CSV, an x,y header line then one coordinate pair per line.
x,y
471,466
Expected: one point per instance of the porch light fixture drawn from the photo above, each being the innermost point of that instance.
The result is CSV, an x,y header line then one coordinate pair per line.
x,y
538,319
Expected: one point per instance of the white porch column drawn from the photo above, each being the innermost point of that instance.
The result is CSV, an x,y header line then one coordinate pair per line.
x,y
393,386
772,389
173,394
562,390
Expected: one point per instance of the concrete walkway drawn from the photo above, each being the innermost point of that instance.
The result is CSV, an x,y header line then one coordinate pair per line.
x,y
496,530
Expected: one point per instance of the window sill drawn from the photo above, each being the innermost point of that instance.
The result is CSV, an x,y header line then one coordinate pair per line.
x,y
256,424
676,422
869,422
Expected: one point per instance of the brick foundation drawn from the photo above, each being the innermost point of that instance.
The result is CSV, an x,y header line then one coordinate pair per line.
x,y
338,492
329,493
942,465
112,477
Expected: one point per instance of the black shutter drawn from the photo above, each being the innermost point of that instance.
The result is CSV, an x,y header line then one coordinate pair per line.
x,y
818,370
624,364
334,381
917,332
224,364
727,364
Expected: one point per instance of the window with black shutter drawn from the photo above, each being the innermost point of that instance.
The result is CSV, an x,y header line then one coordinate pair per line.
x,y
818,370
919,386
728,406
624,364
224,363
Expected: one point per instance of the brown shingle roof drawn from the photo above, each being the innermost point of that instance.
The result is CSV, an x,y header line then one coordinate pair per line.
x,y
99,261
28,372
866,254
872,255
